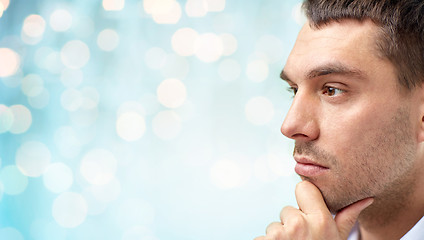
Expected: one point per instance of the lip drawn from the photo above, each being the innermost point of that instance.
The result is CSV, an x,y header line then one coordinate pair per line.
x,y
308,168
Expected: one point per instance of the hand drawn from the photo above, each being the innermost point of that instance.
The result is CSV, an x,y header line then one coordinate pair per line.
x,y
313,220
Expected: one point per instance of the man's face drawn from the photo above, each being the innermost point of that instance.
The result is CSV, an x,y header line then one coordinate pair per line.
x,y
355,128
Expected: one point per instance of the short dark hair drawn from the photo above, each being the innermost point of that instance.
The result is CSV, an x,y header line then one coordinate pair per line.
x,y
402,29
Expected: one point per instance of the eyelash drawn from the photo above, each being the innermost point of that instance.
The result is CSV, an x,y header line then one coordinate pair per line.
x,y
325,89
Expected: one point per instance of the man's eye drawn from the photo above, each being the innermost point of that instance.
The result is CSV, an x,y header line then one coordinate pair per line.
x,y
332,91
292,90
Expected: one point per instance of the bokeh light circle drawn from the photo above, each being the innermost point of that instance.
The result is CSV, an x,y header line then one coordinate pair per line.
x,y
32,85
69,209
229,44
208,47
58,177
108,40
9,62
98,166
259,110
71,99
13,181
60,20
32,158
34,26
172,93
75,54
22,119
183,41
130,126
257,70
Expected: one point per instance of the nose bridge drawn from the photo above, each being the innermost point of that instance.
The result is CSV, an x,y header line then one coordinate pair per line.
x,y
301,121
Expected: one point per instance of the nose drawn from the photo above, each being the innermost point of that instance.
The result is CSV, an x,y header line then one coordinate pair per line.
x,y
301,122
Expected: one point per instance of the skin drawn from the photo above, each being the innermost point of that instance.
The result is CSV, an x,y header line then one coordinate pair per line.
x,y
350,115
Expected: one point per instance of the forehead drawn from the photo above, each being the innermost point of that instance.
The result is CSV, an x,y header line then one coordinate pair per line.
x,y
348,43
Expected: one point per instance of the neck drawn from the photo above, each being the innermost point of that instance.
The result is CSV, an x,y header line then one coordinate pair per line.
x,y
393,215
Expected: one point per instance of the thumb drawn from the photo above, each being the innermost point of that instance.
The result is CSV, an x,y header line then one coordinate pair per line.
x,y
346,218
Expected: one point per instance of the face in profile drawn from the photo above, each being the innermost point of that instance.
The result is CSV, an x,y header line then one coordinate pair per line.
x,y
350,119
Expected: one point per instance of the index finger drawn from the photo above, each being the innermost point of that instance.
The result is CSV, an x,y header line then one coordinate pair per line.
x,y
309,198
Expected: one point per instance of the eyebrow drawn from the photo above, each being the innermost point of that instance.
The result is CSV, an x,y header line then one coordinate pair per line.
x,y
327,69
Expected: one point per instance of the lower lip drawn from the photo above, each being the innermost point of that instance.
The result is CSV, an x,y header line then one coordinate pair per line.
x,y
309,170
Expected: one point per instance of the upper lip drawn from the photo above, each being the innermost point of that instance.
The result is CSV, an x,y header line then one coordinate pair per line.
x,y
306,160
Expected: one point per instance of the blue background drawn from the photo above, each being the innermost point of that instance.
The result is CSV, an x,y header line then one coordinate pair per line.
x,y
209,163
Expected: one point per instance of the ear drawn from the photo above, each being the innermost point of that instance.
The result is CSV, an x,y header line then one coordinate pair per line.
x,y
419,98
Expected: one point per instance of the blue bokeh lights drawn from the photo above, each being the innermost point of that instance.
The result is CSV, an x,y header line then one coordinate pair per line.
x,y
144,119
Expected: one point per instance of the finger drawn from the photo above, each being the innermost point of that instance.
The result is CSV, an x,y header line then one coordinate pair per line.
x,y
310,199
290,214
273,228
346,219
260,238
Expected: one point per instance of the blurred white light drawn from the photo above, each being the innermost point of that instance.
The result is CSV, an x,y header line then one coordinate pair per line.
x,y
10,233
67,142
167,14
196,8
32,85
257,70
166,125
98,166
208,47
22,119
75,54
71,99
108,192
5,4
155,58
58,177
32,158
6,118
71,78
9,62
272,47
108,40
130,126
183,41
229,44
172,93
40,101
298,14
175,67
226,174
60,20
34,26
229,70
1,9
157,7
69,209
14,182
135,212
259,110
215,5
113,5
